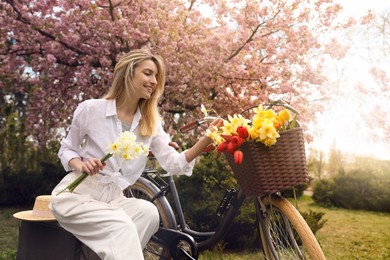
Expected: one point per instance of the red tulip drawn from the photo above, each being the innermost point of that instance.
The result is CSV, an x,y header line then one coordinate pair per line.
x,y
231,148
226,137
238,157
242,132
222,147
209,148
237,141
234,144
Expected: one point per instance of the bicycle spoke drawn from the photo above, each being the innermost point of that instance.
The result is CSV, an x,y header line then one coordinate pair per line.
x,y
284,233
283,238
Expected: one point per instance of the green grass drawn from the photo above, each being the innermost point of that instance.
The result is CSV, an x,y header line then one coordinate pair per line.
x,y
9,230
209,255
352,234
347,234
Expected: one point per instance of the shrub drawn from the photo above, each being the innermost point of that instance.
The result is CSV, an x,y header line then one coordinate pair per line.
x,y
21,188
323,192
299,189
358,189
314,219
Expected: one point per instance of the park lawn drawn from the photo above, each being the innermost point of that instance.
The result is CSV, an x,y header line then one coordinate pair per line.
x,y
352,234
9,232
347,234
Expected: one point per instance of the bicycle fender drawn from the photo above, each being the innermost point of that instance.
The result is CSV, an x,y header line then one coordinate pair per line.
x,y
166,207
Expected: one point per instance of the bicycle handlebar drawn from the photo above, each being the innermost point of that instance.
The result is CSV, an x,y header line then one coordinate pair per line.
x,y
276,100
197,123
189,126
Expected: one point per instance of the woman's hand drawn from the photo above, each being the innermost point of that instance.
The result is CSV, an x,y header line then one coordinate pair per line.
x,y
203,142
91,166
217,123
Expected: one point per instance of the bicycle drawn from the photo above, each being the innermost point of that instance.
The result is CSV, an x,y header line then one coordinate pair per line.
x,y
283,232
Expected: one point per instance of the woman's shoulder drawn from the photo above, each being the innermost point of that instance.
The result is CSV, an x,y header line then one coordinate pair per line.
x,y
96,105
94,102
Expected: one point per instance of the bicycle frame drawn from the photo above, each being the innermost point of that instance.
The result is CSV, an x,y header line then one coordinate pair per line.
x,y
277,219
204,240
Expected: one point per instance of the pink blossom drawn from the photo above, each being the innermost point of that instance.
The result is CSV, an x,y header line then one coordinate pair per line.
x,y
239,54
51,58
105,62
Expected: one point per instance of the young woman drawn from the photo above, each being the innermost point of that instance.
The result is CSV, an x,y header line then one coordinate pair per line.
x,y
97,212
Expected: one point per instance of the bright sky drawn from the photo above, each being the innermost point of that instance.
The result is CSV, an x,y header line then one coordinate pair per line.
x,y
340,126
359,7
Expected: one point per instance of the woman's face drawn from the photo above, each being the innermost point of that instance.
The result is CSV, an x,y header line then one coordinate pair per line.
x,y
145,79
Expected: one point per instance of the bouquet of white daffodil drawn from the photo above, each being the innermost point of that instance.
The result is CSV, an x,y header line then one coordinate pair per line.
x,y
125,147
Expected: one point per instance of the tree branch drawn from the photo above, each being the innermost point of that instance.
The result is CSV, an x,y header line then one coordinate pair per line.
x,y
42,32
237,51
191,5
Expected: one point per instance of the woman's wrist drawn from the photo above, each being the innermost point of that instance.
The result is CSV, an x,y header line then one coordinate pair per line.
x,y
76,164
205,141
209,140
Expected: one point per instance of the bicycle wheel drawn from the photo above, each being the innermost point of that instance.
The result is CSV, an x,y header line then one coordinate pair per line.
x,y
153,250
283,231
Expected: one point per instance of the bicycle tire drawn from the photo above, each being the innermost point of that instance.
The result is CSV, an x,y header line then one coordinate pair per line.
x,y
143,190
284,232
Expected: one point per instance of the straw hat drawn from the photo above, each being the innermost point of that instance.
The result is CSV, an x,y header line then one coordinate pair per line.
x,y
40,212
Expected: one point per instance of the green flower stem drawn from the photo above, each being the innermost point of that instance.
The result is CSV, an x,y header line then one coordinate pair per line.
x,y
82,177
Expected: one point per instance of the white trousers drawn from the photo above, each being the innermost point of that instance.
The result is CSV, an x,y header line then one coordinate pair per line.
x,y
115,229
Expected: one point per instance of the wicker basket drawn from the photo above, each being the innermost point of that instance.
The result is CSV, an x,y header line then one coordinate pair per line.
x,y
266,170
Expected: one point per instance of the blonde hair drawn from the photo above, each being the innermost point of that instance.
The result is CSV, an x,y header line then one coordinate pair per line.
x,y
122,82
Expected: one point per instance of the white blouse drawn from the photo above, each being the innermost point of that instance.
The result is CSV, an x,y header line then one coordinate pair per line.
x,y
95,126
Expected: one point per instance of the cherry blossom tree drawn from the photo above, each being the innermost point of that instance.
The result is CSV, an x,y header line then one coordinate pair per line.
x,y
360,84
227,55
378,114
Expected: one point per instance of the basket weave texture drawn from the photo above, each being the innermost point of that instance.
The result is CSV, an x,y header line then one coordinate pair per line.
x,y
266,170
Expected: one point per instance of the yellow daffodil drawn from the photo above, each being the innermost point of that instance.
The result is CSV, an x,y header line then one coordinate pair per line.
x,y
203,110
284,115
264,127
